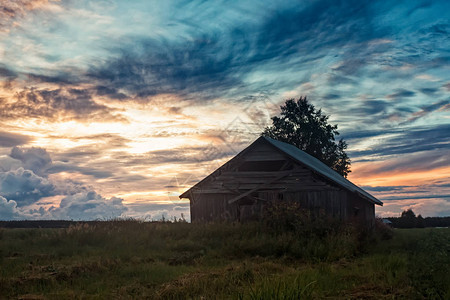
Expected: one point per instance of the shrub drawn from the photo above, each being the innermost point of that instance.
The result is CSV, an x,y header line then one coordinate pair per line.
x,y
313,236
383,231
290,216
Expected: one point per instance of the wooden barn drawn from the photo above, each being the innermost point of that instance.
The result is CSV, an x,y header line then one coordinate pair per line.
x,y
270,170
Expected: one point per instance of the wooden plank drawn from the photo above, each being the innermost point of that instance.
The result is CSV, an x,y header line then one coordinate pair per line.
x,y
264,157
251,180
251,184
234,174
257,188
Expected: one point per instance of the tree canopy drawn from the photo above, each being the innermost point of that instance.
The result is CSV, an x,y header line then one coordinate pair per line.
x,y
301,125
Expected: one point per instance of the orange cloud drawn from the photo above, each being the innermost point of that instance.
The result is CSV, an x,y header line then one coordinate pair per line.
x,y
366,174
13,9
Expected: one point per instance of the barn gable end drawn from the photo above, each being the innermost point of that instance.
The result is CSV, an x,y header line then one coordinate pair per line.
x,y
269,170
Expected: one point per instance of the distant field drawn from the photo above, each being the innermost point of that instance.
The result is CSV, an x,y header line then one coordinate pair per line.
x,y
129,259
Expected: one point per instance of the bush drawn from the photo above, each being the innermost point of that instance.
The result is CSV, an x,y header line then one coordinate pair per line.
x,y
314,236
383,231
290,216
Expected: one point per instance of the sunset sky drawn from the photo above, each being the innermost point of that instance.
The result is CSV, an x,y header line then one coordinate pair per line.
x,y
113,108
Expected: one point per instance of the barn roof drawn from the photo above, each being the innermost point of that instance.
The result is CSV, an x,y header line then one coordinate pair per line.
x,y
308,161
316,165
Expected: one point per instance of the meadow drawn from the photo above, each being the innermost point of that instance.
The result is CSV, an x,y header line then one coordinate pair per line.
x,y
125,259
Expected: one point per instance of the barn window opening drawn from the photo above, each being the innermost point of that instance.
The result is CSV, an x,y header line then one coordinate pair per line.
x,y
263,166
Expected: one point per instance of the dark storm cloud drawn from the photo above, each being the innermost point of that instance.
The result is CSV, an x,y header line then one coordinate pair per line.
x,y
216,63
332,96
150,67
5,72
110,92
34,159
61,78
13,139
429,91
57,104
440,29
372,107
322,24
401,93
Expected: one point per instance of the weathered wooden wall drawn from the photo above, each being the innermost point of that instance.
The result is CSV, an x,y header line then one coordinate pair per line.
x,y
213,207
338,204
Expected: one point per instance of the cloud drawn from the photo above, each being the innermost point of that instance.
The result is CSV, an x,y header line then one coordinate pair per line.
x,y
34,159
383,188
88,206
24,186
401,93
58,105
416,139
428,109
332,96
8,209
447,86
8,139
217,61
429,91
11,10
5,71
72,168
81,63
156,211
188,155
424,207
372,107
204,65
411,169
318,26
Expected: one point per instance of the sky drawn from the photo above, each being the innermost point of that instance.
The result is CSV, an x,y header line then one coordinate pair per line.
x,y
114,108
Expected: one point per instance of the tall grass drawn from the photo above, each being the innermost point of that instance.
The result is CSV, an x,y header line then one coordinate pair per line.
x,y
133,259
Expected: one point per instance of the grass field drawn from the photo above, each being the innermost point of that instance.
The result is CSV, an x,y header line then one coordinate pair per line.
x,y
130,259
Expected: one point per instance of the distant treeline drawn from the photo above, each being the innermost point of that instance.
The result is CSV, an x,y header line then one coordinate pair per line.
x,y
42,223
408,219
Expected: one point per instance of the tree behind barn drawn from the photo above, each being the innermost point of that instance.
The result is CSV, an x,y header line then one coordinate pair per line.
x,y
301,125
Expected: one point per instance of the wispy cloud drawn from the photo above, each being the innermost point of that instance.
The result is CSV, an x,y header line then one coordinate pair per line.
x,y
57,104
11,10
140,100
8,139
